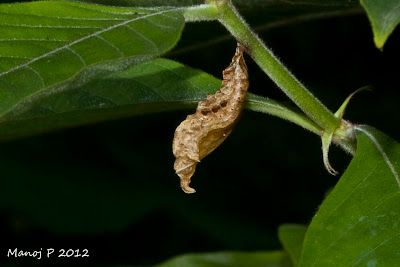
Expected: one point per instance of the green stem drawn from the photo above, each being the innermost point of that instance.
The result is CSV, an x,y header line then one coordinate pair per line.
x,y
308,103
272,107
343,136
316,117
200,13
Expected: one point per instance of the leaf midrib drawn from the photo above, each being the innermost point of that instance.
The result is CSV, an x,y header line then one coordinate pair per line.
x,y
383,153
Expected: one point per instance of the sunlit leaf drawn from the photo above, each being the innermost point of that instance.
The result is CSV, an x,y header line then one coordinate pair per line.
x,y
47,47
292,237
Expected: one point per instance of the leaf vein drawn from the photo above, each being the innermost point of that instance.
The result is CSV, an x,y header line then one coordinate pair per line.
x,y
390,15
111,44
49,26
15,57
384,155
155,48
351,193
101,11
78,41
36,40
181,76
58,18
159,25
77,54
151,89
349,230
38,74
375,248
100,96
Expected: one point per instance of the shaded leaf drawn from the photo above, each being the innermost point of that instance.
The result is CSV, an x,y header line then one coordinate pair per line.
x,y
231,259
48,47
292,237
150,87
145,3
384,16
359,222
239,3
155,86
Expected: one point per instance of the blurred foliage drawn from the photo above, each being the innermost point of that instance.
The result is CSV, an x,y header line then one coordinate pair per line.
x,y
230,259
292,238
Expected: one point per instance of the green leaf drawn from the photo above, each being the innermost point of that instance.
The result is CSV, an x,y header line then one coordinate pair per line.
x,y
154,86
231,259
238,3
384,16
47,47
150,87
359,222
292,237
146,3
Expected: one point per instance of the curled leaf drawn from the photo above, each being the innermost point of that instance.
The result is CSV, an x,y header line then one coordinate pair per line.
x,y
205,130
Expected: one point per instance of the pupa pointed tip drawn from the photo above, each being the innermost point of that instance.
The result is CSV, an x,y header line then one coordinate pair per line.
x,y
187,189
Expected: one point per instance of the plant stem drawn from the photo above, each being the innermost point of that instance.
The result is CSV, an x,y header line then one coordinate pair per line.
x,y
200,13
316,117
272,107
344,135
308,103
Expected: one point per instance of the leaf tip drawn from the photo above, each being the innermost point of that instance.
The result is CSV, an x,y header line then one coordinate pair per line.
x,y
379,43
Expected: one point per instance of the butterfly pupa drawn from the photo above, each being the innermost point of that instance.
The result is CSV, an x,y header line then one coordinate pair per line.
x,y
205,130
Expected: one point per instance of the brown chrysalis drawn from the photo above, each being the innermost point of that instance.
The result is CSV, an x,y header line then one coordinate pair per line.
x,y
205,130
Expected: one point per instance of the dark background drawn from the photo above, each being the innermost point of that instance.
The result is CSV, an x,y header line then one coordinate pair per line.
x,y
111,187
